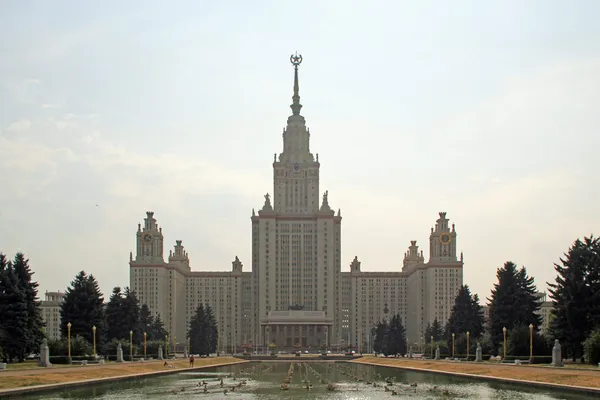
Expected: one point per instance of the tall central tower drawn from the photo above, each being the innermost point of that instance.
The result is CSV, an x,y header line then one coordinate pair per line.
x,y
296,241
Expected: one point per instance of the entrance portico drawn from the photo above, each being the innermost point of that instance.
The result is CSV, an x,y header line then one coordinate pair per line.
x,y
288,328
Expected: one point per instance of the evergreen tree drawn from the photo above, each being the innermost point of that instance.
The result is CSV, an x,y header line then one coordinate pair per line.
x,y
115,323
575,294
202,332
35,322
83,307
513,302
158,329
396,336
466,315
379,333
146,321
13,309
437,331
213,331
131,309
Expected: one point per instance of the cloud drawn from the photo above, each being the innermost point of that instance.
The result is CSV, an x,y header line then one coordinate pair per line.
x,y
19,126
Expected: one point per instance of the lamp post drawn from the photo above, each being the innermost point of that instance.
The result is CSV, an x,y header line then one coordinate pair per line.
x,y
130,345
468,334
530,342
431,346
189,346
145,334
453,345
94,331
69,339
504,332
175,346
167,345
422,344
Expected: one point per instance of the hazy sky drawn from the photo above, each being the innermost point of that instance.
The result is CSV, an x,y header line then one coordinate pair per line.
x,y
486,110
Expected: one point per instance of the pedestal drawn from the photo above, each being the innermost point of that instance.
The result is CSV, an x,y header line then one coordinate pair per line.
x,y
160,353
557,354
478,353
410,352
44,355
119,353
437,353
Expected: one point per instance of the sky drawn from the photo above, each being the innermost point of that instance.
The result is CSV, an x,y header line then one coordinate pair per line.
x,y
485,110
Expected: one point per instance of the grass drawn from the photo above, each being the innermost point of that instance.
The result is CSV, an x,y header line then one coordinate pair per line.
x,y
45,376
584,377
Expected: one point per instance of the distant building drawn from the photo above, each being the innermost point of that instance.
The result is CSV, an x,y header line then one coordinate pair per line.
x,y
51,313
296,292
545,312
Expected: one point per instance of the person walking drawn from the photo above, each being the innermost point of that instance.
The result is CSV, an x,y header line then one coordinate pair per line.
x,y
192,361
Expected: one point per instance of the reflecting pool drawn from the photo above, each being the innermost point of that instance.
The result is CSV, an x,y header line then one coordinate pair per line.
x,y
306,380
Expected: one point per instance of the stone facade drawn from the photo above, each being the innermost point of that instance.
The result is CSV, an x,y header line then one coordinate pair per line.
x,y
296,292
51,313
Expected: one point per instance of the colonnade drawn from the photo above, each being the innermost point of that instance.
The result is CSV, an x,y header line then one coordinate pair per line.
x,y
288,335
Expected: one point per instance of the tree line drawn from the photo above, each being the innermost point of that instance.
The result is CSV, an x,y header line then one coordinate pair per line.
x,y
514,314
85,317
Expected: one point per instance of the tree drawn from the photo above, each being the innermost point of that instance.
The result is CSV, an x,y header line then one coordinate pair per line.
x,y
83,307
575,295
13,309
158,329
35,322
202,331
379,333
131,312
436,330
513,302
466,315
146,321
390,337
114,316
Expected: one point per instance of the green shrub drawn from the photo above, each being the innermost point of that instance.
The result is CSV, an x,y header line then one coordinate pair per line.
x,y
591,348
79,347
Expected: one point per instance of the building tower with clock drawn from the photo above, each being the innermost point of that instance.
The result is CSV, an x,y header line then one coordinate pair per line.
x,y
296,293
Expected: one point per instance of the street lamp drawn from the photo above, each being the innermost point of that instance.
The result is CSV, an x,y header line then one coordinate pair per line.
x,y
145,334
175,346
531,342
69,339
504,332
130,345
453,345
167,345
468,334
431,346
94,331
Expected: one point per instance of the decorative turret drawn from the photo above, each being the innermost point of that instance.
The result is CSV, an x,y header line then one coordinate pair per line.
x,y
149,241
236,265
355,265
442,241
267,206
179,257
413,257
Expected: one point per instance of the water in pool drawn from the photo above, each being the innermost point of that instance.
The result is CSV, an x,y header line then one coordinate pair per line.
x,y
305,380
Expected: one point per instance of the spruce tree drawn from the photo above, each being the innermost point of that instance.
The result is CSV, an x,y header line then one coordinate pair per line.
x,y
197,332
158,329
437,331
212,338
115,323
466,315
514,302
131,309
35,321
575,294
146,321
396,337
379,333
13,312
83,307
